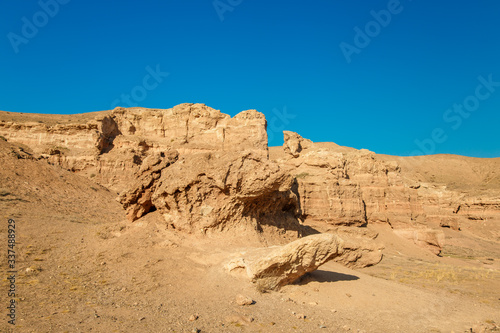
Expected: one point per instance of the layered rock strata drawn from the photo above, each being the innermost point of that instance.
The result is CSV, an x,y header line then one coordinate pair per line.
x,y
343,186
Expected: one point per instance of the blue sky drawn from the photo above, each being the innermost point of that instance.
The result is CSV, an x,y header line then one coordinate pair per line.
x,y
396,77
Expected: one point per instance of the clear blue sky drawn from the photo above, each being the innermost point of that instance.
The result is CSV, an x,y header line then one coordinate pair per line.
x,y
304,64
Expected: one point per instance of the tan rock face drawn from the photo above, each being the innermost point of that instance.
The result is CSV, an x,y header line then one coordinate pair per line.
x,y
294,143
111,146
214,191
360,247
342,186
138,199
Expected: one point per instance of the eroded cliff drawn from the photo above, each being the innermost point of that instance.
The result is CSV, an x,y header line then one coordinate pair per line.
x,y
205,171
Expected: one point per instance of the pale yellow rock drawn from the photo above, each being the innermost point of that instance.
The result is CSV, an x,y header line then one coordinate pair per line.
x,y
271,268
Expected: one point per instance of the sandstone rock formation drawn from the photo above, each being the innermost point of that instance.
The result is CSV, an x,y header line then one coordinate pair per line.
x,y
218,190
360,247
110,146
272,268
343,186
200,168
203,171
206,191
138,199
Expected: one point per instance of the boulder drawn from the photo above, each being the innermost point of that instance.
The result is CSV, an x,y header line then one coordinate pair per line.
x,y
274,267
216,191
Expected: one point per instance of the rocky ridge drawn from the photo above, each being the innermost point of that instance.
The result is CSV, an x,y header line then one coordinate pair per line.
x,y
205,171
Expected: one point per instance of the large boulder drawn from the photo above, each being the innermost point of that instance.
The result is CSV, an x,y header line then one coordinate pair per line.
x,y
274,267
214,191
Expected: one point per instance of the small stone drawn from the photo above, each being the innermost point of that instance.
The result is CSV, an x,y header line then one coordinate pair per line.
x,y
195,330
142,318
244,300
193,317
313,303
300,316
478,328
348,295
346,328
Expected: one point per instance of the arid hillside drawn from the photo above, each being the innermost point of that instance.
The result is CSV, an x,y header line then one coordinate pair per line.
x,y
152,220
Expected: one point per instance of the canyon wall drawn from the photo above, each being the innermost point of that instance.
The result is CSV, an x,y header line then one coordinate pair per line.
x,y
205,171
344,186
110,147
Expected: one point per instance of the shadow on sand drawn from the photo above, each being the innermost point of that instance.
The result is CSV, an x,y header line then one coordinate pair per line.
x,y
324,276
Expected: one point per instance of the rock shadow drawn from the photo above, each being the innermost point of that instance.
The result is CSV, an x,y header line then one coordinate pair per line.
x,y
109,131
324,276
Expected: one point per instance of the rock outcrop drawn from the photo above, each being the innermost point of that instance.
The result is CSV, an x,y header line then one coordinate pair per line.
x,y
203,171
275,267
110,146
214,191
138,199
200,168
344,186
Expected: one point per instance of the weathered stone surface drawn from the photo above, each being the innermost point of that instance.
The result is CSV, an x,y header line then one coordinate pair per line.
x,y
360,247
271,268
138,199
294,143
109,146
207,191
344,186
